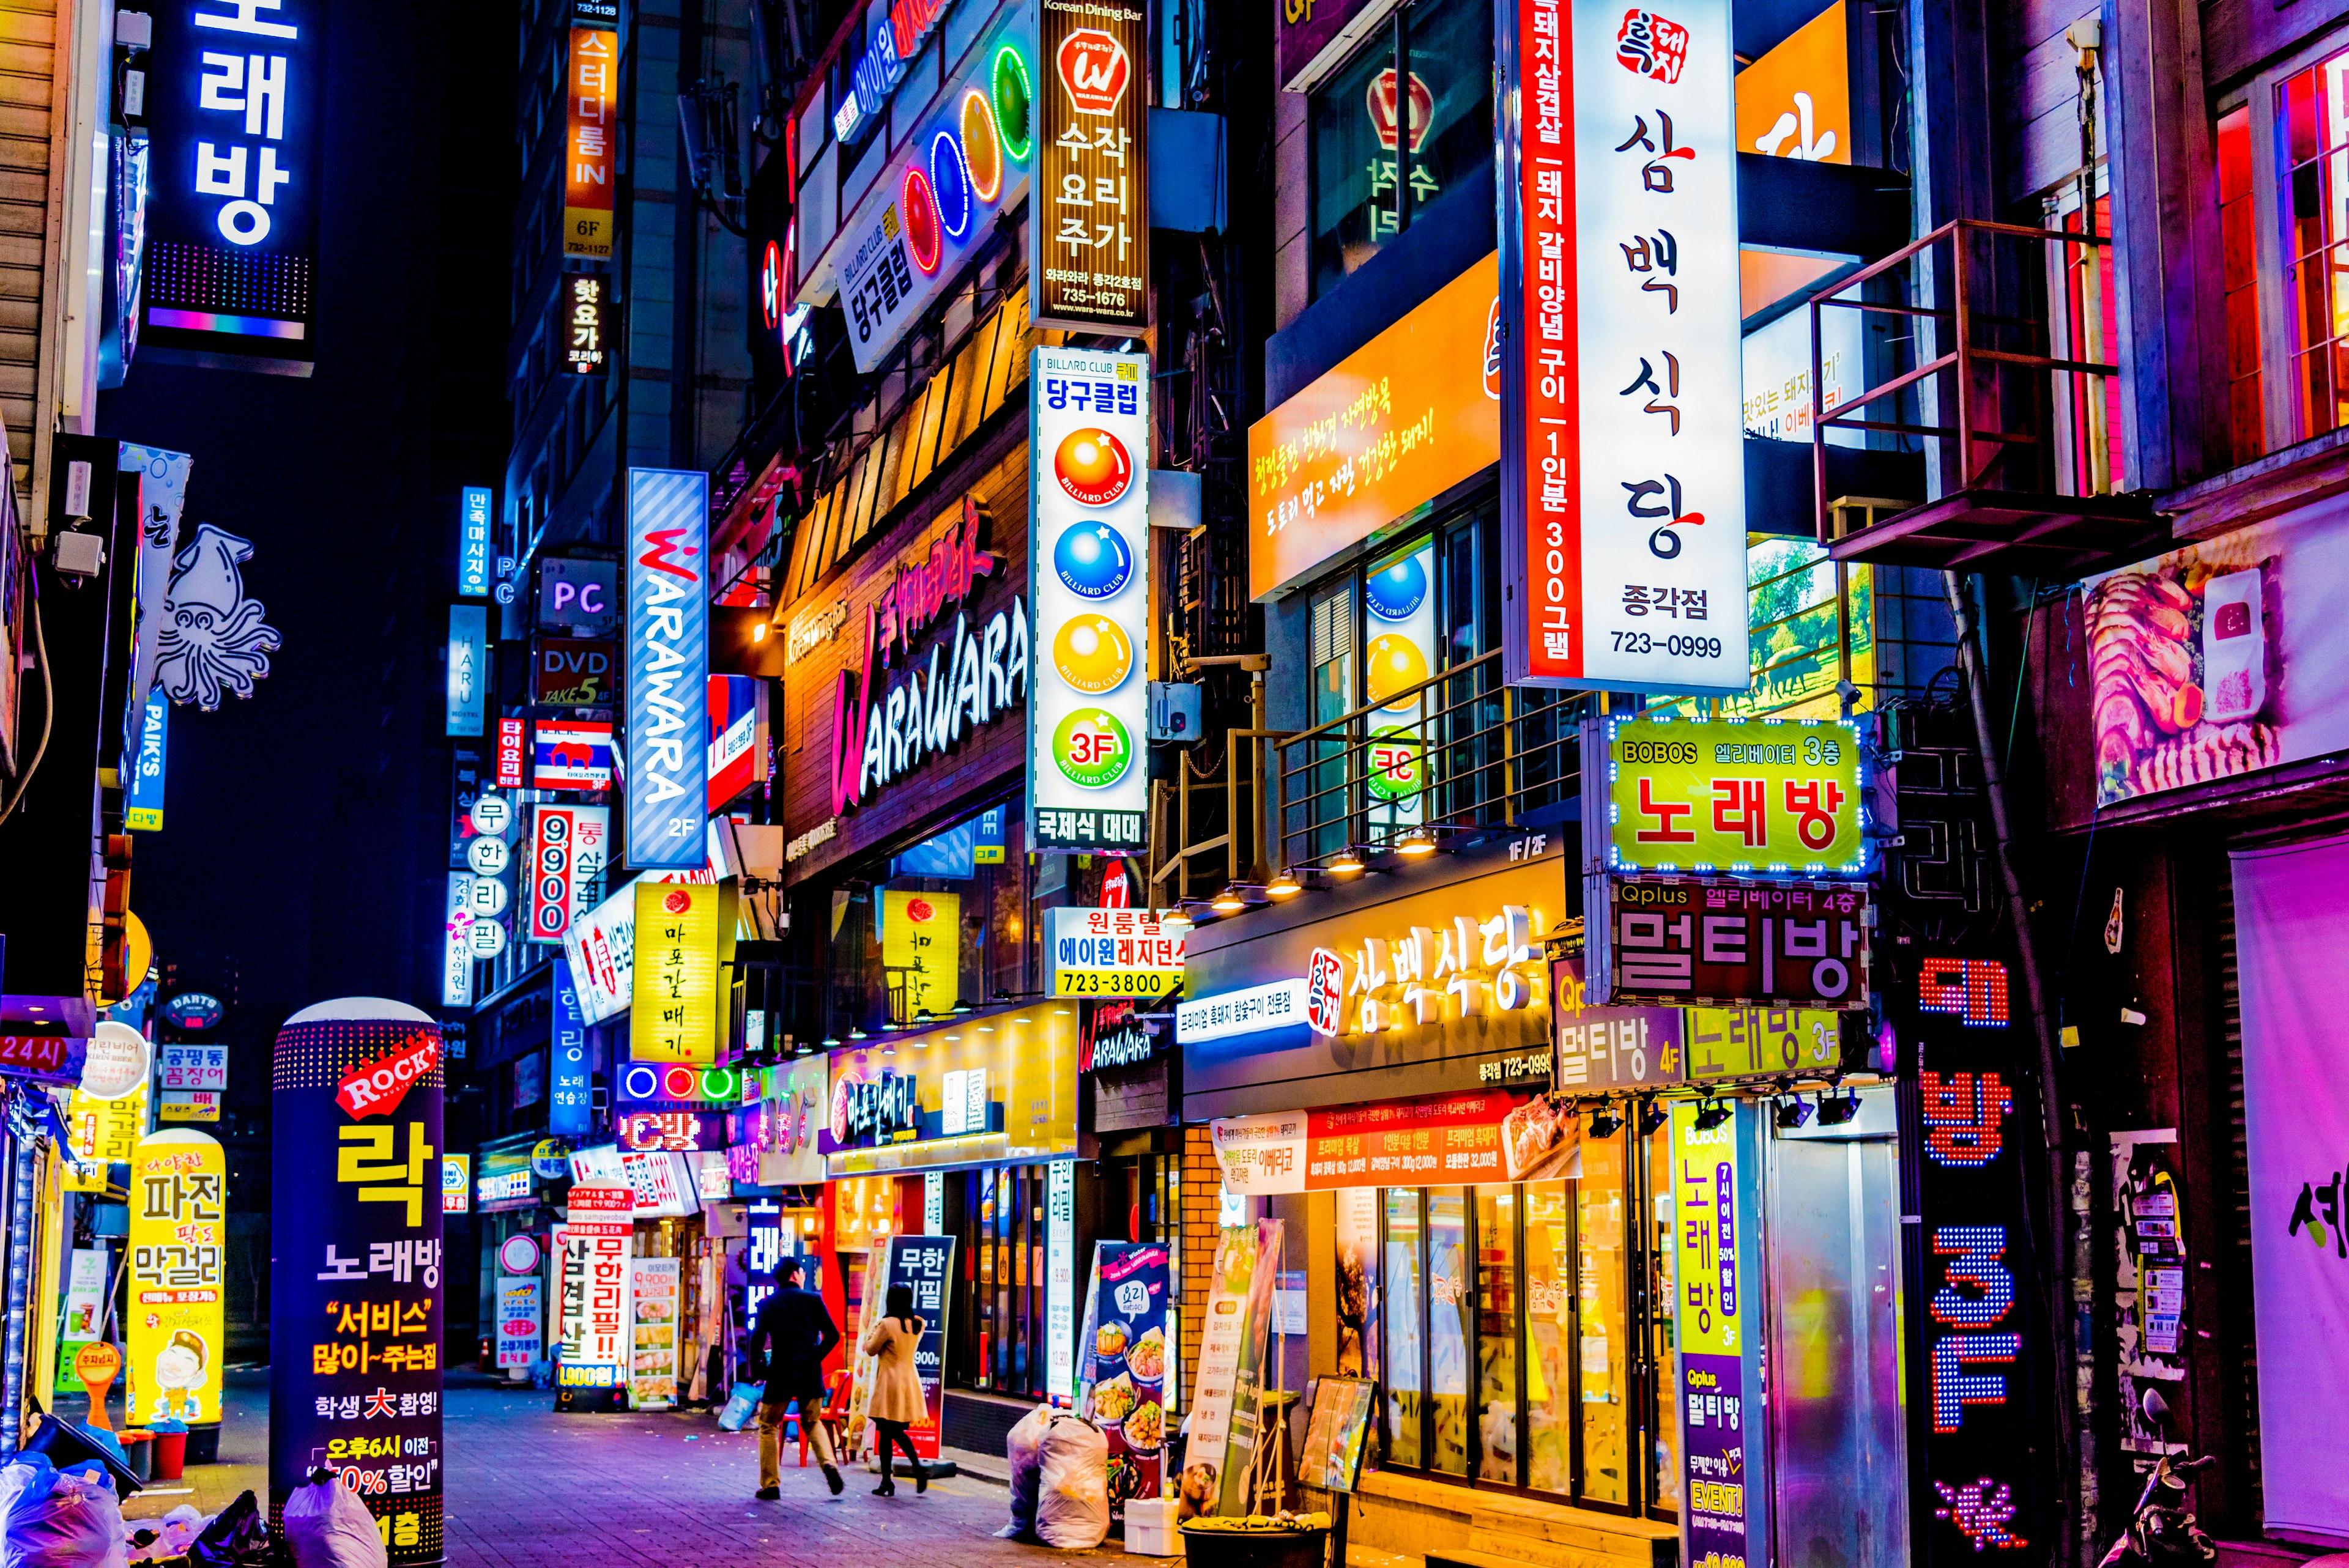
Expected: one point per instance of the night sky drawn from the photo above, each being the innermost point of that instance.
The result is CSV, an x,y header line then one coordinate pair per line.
x,y
301,838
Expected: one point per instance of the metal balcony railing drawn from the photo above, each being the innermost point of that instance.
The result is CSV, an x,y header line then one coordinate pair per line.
x,y
1978,382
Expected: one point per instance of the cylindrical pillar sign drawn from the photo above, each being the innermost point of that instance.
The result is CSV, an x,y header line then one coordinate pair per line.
x,y
355,1297
178,1192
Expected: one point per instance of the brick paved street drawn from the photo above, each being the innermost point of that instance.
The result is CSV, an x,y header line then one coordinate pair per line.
x,y
529,1489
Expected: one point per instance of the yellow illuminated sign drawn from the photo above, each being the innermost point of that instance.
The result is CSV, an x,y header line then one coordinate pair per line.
x,y
178,1200
673,1015
921,954
1774,798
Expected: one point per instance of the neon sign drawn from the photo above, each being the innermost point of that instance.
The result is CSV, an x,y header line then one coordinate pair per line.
x,y
1974,990
677,1083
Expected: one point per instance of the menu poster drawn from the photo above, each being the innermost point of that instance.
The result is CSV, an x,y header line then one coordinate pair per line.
x,y
653,1342
1127,1392
1231,1367
1334,1430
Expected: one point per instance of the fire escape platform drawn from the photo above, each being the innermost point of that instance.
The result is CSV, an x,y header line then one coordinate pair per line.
x,y
2010,532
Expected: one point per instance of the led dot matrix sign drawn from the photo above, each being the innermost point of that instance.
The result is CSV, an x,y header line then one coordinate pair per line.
x,y
1089,579
1753,798
1623,515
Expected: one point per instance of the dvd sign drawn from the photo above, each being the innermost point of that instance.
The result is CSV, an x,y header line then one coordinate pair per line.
x,y
571,672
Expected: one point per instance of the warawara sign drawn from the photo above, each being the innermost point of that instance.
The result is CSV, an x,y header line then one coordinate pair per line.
x,y
668,667
897,708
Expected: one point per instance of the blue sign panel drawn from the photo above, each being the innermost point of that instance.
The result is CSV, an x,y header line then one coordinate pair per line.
x,y
571,1111
235,98
144,811
668,669
473,543
469,667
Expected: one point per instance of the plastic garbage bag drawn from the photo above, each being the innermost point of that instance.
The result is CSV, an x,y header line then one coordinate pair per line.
x,y
327,1526
740,1406
26,1472
236,1537
1023,1450
63,1520
1072,1490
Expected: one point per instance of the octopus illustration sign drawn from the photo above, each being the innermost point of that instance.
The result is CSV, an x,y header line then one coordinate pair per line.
x,y
355,1265
212,639
173,1321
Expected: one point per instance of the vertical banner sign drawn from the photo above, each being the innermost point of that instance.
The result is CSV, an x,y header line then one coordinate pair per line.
x,y
1126,1366
355,1265
173,1321
654,1350
585,351
591,129
764,1222
474,542
457,944
1089,246
673,1004
570,1098
594,1308
1711,1309
1089,579
518,1319
667,668
1247,1265
1061,1280
235,101
570,847
1623,531
925,1266
1968,1358
513,747
468,664
144,811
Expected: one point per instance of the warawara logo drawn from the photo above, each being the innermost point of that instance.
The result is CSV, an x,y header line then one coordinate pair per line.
x,y
970,679
668,658
1095,70
673,582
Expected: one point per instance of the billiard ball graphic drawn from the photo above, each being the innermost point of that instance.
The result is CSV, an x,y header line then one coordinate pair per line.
x,y
1395,664
1394,592
1092,653
1092,465
1092,560
1093,749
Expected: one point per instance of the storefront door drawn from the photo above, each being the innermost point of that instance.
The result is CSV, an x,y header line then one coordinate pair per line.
x,y
1833,1252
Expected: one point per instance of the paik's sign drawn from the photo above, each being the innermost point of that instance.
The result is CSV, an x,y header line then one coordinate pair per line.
x,y
667,668
235,98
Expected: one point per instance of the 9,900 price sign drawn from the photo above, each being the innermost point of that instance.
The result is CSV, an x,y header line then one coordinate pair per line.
x,y
1111,953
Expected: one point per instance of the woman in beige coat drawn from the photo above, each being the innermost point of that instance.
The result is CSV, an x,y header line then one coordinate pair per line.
x,y
896,1401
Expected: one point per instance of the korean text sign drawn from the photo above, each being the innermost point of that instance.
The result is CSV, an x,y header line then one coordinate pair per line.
x,y
1397,423
1708,1221
355,1292
571,847
1757,799
236,98
1089,577
925,1266
519,1312
1089,251
1622,426
591,137
1489,1136
674,1004
594,1312
1711,942
570,1100
668,667
655,1350
173,1322
1112,953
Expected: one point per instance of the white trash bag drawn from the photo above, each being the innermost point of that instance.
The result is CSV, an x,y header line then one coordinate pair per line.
x,y
1023,1449
327,1526
1072,1498
71,1521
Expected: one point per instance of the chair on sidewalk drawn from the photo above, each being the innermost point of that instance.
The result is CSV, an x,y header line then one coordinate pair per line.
x,y
834,1417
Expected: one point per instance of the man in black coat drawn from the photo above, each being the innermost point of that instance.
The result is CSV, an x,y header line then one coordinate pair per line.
x,y
792,1335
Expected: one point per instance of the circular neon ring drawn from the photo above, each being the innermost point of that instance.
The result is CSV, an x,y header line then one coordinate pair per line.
x,y
982,146
920,209
1015,101
950,184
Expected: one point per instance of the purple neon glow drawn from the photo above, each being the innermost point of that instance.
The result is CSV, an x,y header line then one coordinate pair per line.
x,y
215,321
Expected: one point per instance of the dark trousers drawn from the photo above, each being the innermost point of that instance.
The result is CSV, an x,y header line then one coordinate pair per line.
x,y
895,1432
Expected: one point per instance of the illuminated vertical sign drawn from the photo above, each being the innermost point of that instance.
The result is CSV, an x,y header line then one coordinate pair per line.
x,y
667,668
571,1110
1970,1353
591,129
1721,1413
474,542
1089,250
457,944
765,1252
595,1310
469,668
1060,1280
1088,580
178,1232
674,996
1623,525
585,351
571,847
513,747
144,811
235,99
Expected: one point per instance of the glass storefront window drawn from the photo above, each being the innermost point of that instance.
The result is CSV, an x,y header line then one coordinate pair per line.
x,y
940,925
1448,1326
1406,1305
1497,1444
1549,1334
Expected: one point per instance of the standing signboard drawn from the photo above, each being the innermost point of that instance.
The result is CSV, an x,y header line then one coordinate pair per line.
x,y
925,1266
653,1343
173,1323
591,147
1060,1282
1088,580
1225,1427
84,1313
1623,519
1129,1389
594,1306
1089,261
667,668
355,1281
519,1312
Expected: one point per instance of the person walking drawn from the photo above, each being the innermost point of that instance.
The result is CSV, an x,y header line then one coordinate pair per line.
x,y
797,1328
896,1402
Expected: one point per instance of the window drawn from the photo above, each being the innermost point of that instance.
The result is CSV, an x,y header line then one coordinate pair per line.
x,y
2238,240
2313,131
967,887
1380,153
